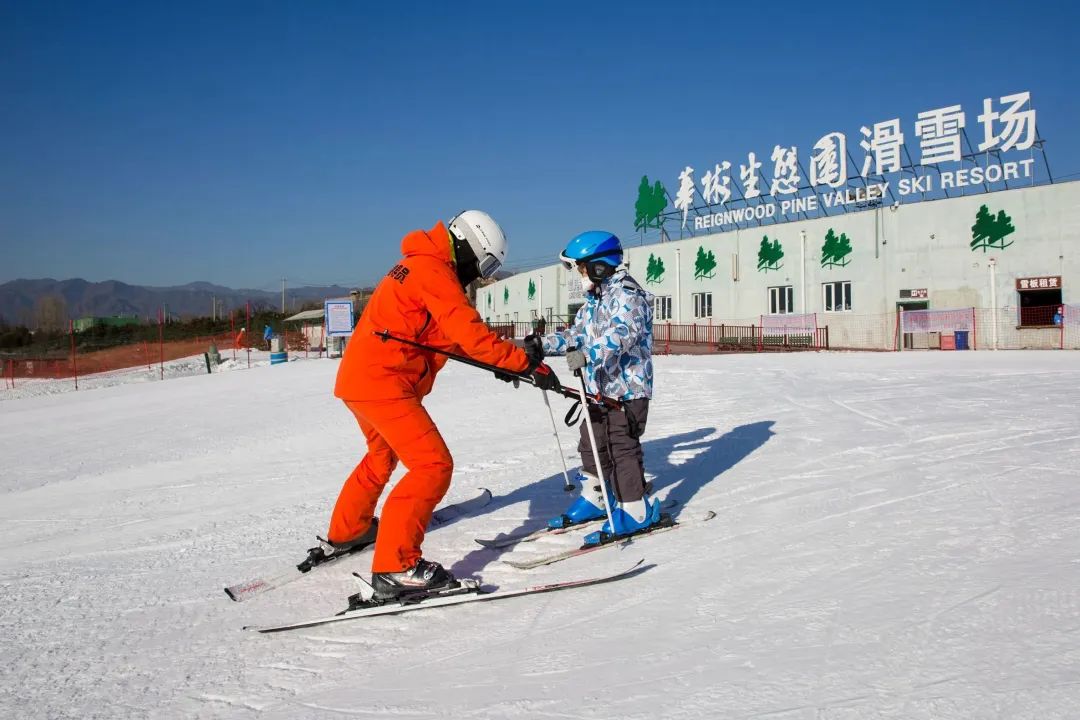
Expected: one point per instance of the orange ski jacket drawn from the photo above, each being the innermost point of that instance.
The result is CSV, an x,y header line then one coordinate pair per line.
x,y
420,299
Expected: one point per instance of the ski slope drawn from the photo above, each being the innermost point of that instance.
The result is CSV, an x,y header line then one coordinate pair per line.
x,y
897,536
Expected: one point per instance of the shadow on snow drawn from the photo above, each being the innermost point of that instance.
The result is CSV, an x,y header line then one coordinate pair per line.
x,y
706,459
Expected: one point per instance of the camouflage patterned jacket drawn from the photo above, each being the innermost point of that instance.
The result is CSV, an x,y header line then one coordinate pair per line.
x,y
614,331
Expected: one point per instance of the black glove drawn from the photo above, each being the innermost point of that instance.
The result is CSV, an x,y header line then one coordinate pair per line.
x,y
507,377
534,348
543,376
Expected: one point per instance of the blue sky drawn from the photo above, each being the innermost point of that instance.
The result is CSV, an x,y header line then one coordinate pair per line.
x,y
163,143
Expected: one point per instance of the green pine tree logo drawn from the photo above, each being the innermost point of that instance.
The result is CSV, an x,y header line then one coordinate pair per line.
x,y
506,296
532,289
989,231
651,201
835,250
654,271
705,264
769,255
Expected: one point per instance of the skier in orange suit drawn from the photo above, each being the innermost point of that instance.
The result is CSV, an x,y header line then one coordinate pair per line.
x,y
383,382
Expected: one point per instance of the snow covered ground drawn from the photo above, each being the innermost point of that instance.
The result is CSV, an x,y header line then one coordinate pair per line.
x,y
897,536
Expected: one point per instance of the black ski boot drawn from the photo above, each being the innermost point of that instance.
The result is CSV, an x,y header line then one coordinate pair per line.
x,y
327,550
416,583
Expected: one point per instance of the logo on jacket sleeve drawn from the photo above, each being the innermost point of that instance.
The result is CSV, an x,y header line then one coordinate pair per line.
x,y
399,273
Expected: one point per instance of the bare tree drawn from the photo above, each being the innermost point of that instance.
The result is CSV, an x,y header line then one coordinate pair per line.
x,y
50,313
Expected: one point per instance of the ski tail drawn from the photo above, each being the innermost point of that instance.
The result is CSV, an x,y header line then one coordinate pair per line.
x,y
449,513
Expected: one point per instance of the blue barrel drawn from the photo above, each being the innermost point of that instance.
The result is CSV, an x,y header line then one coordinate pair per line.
x,y
962,340
278,357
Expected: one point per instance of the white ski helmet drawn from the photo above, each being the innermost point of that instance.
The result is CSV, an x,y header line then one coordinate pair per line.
x,y
484,237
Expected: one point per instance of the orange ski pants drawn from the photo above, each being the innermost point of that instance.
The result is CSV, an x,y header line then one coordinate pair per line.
x,y
395,430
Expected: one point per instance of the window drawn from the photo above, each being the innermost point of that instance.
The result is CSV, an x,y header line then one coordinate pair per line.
x,y
1040,301
515,317
837,296
703,305
781,300
662,307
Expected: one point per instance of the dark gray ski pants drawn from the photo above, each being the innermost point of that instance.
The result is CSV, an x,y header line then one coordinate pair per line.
x,y
618,433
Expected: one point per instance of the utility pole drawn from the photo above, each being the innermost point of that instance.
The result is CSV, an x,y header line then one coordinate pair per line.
x,y
992,265
213,308
282,296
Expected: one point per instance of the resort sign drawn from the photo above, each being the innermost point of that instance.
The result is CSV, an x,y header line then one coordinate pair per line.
x,y
789,183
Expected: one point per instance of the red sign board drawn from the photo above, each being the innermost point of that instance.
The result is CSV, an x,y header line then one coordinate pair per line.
x,y
1050,282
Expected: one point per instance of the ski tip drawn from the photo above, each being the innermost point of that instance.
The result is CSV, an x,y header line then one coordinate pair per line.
x,y
229,592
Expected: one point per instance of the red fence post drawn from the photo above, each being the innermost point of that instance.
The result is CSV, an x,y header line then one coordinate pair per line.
x,y
74,367
1061,314
161,342
974,331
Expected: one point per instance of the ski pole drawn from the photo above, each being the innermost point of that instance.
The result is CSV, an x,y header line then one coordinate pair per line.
x,y
563,390
587,419
569,486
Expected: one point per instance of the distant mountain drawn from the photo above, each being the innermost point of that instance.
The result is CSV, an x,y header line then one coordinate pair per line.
x,y
19,298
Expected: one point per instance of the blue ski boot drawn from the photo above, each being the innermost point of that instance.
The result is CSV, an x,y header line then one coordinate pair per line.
x,y
629,518
588,506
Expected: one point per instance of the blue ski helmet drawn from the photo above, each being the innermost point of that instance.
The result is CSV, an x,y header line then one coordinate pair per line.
x,y
600,250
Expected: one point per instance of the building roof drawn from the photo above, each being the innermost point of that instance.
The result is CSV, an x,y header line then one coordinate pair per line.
x,y
307,315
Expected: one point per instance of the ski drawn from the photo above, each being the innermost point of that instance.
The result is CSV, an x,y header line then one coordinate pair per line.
x,y
448,513
615,542
503,541
442,516
472,592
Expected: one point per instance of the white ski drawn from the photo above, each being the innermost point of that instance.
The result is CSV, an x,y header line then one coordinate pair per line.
x,y
473,594
531,535
446,514
586,549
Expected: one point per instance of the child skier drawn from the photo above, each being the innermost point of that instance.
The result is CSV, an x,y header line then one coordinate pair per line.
x,y
611,341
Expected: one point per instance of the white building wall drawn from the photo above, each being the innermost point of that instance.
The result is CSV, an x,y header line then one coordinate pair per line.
x,y
917,245
524,297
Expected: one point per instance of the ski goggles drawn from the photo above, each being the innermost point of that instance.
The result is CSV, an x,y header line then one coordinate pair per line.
x,y
488,266
570,263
